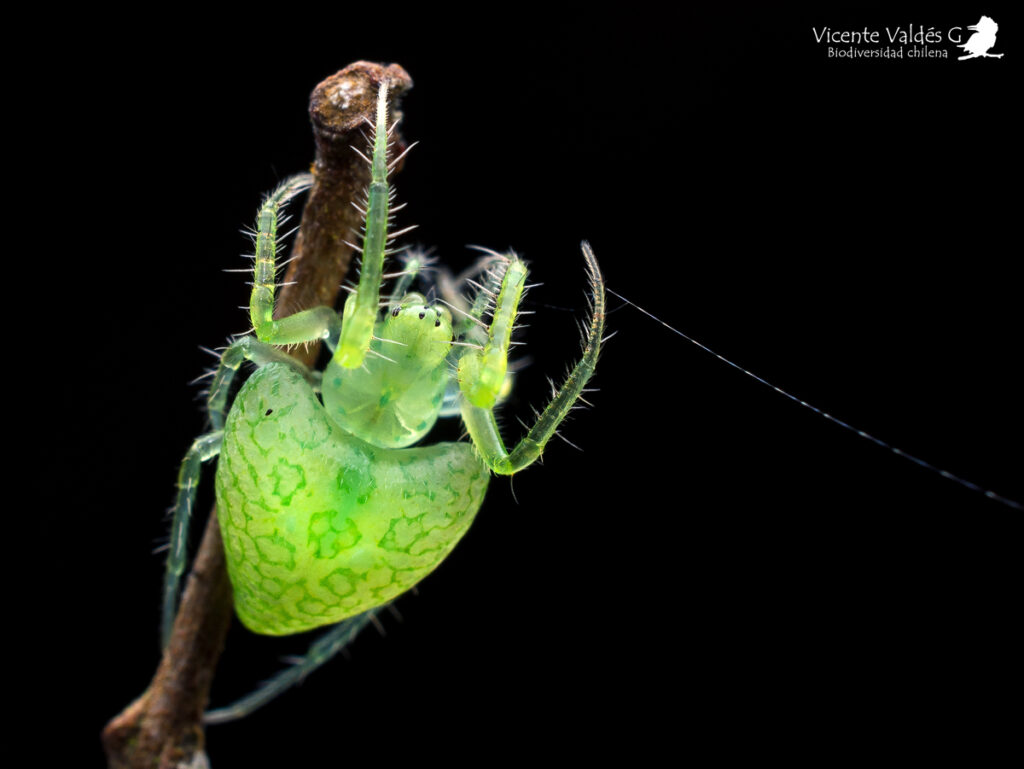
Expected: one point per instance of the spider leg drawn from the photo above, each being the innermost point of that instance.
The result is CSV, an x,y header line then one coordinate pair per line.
x,y
451,404
481,373
321,650
452,290
467,320
204,448
362,307
413,265
306,326
246,348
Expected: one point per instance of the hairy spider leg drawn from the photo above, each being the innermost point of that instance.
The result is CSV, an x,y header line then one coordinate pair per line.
x,y
413,264
483,281
467,323
481,371
250,349
320,651
317,323
361,308
480,383
203,449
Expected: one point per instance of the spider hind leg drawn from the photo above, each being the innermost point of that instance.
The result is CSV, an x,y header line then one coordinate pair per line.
x,y
320,651
203,449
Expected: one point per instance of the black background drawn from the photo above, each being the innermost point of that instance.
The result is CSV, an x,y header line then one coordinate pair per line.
x,y
719,570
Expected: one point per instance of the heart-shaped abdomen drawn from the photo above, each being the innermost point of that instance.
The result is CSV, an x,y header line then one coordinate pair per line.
x,y
319,525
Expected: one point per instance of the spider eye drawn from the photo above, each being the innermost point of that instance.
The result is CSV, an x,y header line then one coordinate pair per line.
x,y
394,312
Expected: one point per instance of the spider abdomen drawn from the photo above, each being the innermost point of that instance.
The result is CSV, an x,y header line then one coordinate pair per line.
x,y
319,525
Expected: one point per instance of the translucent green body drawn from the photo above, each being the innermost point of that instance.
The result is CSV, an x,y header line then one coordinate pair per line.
x,y
319,525
327,510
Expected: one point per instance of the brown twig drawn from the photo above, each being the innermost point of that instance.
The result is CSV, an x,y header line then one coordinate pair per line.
x,y
163,729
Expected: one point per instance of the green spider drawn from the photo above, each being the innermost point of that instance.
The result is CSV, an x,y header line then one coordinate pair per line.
x,y
327,509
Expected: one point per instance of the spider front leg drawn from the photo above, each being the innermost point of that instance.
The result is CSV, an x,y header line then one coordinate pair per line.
x,y
362,307
482,371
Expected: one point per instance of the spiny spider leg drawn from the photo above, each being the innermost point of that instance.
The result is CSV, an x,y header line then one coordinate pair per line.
x,y
452,290
306,326
361,308
203,449
482,368
413,264
320,651
467,322
491,271
478,376
250,349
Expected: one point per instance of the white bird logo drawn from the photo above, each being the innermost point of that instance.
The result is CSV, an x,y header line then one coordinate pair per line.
x,y
982,40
